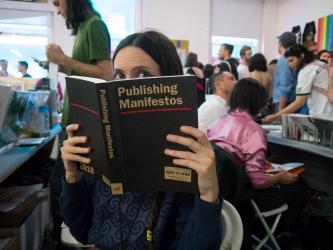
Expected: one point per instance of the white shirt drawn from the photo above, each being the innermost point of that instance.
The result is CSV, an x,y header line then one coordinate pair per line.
x,y
312,77
242,70
214,107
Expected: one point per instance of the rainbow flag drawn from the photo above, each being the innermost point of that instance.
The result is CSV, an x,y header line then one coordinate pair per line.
x,y
325,33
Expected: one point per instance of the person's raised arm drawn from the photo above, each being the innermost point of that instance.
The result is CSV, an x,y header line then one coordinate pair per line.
x,y
102,69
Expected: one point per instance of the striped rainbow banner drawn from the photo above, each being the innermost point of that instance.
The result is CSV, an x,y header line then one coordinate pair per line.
x,y
325,33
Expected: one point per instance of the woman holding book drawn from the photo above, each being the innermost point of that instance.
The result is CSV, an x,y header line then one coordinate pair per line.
x,y
171,220
239,134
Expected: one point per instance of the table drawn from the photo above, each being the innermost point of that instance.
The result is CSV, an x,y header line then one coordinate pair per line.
x,y
12,157
318,160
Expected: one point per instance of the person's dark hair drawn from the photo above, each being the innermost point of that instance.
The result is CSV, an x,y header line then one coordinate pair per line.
x,y
77,11
274,61
24,63
208,70
158,47
248,95
228,47
297,50
191,60
200,66
324,51
243,50
258,62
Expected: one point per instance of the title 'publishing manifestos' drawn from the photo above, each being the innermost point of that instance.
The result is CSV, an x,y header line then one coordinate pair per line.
x,y
169,98
106,123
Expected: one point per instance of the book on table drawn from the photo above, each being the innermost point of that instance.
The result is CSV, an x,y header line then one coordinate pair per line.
x,y
126,122
292,167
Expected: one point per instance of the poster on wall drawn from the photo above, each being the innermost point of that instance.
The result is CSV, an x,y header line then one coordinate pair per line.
x,y
182,47
325,33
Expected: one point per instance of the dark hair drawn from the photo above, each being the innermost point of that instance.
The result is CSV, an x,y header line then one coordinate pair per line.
x,y
228,47
158,47
274,61
258,62
297,50
324,51
24,63
248,95
208,70
200,66
243,50
191,60
77,11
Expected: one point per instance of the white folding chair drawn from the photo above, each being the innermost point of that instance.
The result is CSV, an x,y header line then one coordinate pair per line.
x,y
68,240
232,237
270,231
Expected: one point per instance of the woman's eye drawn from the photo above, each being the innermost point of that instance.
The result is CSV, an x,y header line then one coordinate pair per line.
x,y
117,76
143,74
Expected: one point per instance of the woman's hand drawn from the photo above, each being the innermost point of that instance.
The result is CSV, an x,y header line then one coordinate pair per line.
x,y
55,54
71,154
200,157
287,178
270,118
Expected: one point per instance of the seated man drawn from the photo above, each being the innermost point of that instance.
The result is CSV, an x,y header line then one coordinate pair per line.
x,y
216,104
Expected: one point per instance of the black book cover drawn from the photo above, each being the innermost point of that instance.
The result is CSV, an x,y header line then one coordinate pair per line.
x,y
127,122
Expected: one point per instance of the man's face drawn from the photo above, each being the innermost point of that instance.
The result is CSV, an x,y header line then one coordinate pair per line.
x,y
4,65
248,55
313,48
20,68
325,57
222,53
229,82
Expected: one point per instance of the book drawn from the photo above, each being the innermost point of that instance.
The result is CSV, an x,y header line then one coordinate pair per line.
x,y
126,122
292,167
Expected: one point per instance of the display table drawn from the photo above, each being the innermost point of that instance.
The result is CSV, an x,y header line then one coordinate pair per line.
x,y
12,157
318,160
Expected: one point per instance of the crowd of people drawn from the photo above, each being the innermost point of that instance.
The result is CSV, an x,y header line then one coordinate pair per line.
x,y
234,97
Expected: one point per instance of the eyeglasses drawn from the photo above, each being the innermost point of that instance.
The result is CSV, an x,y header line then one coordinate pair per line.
x,y
56,3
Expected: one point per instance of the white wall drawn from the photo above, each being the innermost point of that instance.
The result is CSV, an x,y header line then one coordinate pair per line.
x,y
181,20
299,12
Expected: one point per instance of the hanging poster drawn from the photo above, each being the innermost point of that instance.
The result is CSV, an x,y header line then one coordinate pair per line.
x,y
325,33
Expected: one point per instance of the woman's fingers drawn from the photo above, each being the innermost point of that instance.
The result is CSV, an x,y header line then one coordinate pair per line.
x,y
71,129
72,141
189,156
196,133
66,156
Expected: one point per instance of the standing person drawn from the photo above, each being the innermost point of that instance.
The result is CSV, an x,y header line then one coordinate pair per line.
x,y
243,68
176,220
284,79
91,51
227,63
192,68
258,70
216,104
313,86
4,68
23,68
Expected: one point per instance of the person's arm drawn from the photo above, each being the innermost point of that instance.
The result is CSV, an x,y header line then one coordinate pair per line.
x,y
291,108
75,201
199,226
102,69
330,86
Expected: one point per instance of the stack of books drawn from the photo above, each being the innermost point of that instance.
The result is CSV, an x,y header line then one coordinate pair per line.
x,y
308,128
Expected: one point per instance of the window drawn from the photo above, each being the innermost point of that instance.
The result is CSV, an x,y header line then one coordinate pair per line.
x,y
236,41
21,39
119,16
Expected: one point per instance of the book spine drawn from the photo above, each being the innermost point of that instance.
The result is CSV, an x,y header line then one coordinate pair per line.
x,y
108,110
